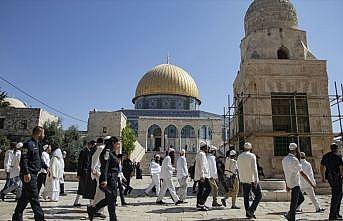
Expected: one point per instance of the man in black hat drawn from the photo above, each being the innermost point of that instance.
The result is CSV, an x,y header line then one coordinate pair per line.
x,y
332,170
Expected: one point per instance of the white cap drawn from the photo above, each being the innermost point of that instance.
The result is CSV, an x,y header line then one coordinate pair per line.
x,y
247,146
171,150
183,151
203,143
213,148
157,155
46,146
293,146
302,154
19,145
232,153
107,137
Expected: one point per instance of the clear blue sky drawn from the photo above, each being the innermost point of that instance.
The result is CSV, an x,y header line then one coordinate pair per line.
x,y
79,55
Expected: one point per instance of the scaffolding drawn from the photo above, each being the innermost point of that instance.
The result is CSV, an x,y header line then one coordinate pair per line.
x,y
232,113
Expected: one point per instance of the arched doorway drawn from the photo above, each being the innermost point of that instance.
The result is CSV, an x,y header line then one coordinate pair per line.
x,y
154,138
171,136
283,53
205,133
188,139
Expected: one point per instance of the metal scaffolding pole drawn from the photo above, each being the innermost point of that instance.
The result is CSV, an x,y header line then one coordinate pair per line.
x,y
339,109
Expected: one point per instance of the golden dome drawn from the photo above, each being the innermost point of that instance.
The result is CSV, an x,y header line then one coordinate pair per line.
x,y
167,79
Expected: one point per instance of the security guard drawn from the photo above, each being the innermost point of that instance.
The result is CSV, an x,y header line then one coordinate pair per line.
x,y
30,164
108,179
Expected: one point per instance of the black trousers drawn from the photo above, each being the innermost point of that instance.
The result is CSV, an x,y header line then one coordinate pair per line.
x,y
109,201
297,198
204,190
127,183
29,195
41,180
336,198
121,191
247,188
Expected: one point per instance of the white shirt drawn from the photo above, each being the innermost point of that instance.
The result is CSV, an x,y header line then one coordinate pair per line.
x,y
155,168
15,164
181,167
46,159
8,160
201,166
231,167
247,167
212,166
167,168
291,168
307,169
95,165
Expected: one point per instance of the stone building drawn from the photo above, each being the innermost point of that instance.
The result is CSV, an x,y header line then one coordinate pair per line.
x,y
281,89
166,114
17,120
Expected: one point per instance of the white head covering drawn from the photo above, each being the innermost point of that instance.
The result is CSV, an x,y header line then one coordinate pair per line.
x,y
293,146
171,150
247,146
19,145
232,153
107,137
58,153
302,155
183,151
203,143
213,148
45,147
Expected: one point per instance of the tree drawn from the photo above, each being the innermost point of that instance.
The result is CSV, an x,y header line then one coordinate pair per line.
x,y
3,103
54,134
128,137
72,145
4,143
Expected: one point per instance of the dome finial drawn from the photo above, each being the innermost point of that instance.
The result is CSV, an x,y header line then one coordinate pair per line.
x,y
168,58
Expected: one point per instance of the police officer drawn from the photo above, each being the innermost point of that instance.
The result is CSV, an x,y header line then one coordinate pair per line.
x,y
108,179
30,164
332,170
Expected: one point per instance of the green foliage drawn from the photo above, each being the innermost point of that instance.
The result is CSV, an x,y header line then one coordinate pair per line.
x,y
128,138
3,103
72,145
54,134
4,143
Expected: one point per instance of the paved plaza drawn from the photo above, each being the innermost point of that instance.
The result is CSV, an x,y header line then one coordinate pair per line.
x,y
144,208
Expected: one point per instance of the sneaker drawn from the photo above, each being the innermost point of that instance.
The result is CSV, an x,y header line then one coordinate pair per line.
x,y
250,215
203,208
100,215
235,207
223,202
216,204
320,210
160,202
178,202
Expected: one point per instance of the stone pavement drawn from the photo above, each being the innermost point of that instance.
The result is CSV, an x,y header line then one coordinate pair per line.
x,y
143,208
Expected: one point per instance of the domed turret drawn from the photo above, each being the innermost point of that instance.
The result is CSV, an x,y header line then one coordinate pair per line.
x,y
264,14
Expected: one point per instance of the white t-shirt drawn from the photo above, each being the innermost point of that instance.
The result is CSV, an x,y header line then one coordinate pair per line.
x,y
212,166
181,168
247,167
201,166
291,168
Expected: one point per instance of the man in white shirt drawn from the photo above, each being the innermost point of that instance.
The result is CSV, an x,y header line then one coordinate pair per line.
x,y
211,159
7,166
247,169
41,179
167,170
182,175
292,169
155,172
202,176
231,173
304,186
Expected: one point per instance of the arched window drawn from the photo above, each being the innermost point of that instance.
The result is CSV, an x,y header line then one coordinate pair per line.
x,y
283,53
171,131
205,133
187,132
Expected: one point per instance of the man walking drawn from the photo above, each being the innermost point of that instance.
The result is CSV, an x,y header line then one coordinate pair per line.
x,y
182,175
166,175
202,176
211,159
127,170
231,172
332,170
305,186
30,164
9,155
247,169
292,169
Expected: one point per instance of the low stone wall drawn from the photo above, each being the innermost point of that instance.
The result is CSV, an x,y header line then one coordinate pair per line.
x,y
68,176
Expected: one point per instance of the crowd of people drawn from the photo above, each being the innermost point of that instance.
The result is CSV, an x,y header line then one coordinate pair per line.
x,y
103,172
